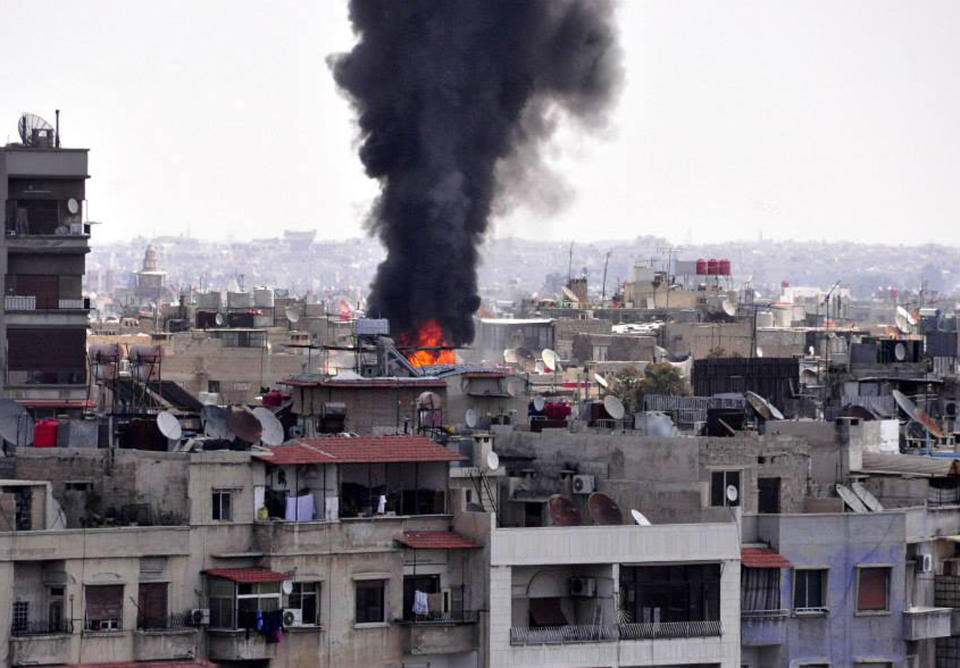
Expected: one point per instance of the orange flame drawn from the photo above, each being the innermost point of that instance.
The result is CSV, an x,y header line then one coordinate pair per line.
x,y
429,336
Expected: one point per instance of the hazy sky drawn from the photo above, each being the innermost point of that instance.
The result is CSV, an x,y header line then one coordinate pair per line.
x,y
804,119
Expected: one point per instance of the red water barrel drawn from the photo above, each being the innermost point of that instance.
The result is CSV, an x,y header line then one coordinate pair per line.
x,y
713,266
701,267
45,433
724,267
273,398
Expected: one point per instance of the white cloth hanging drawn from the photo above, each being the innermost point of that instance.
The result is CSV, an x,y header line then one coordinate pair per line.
x,y
382,505
420,605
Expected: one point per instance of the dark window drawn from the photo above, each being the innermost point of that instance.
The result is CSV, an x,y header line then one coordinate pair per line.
x,y
55,597
104,611
222,505
768,496
429,585
152,605
370,595
21,617
22,498
533,514
760,589
685,593
306,598
46,356
213,386
873,586
809,586
719,482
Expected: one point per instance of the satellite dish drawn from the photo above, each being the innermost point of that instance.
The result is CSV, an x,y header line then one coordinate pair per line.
x,y
510,356
244,424
917,414
639,518
470,418
604,510
287,587
169,425
16,424
732,493
218,320
34,131
550,360
900,352
764,408
729,308
614,407
904,320
601,381
215,422
429,401
759,351
538,403
73,206
270,426
292,314
570,294
563,512
493,461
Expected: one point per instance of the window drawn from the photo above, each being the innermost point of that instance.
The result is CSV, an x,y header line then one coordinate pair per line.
x,y
719,482
222,603
429,585
222,511
760,589
873,586
254,597
768,496
78,485
688,593
370,597
21,618
809,586
213,386
152,605
104,611
55,597
306,598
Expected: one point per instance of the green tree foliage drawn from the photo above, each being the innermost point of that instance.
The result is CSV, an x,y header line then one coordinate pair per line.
x,y
630,384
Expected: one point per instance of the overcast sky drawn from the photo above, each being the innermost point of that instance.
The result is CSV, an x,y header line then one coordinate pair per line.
x,y
804,119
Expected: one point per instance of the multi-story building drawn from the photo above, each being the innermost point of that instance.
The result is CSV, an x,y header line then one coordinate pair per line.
x,y
42,253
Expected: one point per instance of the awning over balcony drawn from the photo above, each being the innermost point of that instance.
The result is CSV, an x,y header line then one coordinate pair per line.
x,y
437,540
247,574
762,557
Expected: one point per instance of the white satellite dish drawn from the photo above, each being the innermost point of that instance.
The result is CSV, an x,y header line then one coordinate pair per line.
x,y
169,425
287,587
570,294
900,352
614,407
510,356
732,493
218,319
271,428
639,518
601,381
73,206
550,360
539,403
470,418
292,314
759,351
729,308
493,461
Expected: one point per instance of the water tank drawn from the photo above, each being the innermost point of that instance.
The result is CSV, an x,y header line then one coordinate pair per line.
x,y
263,297
239,300
765,319
701,267
724,267
713,266
45,433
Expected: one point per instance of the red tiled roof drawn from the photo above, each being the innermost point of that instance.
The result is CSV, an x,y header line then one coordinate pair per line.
x,y
762,557
195,663
367,383
436,540
247,574
359,450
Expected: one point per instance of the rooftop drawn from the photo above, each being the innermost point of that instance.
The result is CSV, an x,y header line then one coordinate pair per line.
x,y
358,450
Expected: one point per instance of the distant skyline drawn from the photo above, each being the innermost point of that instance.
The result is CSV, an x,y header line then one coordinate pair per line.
x,y
805,120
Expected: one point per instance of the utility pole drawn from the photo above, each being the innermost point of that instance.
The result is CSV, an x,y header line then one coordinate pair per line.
x,y
603,290
570,265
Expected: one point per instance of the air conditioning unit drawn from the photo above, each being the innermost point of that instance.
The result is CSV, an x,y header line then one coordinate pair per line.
x,y
292,617
926,563
583,587
200,616
584,484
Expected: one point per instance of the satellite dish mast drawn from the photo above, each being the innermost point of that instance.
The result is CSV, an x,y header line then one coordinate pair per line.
x,y
169,425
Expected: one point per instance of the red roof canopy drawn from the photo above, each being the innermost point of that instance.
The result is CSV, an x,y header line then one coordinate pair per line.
x,y
762,557
437,540
247,574
359,450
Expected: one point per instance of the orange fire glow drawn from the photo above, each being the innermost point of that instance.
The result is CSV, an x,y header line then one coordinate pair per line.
x,y
428,339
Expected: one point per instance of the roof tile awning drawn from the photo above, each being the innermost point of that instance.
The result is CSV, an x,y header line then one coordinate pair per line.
x,y
762,557
359,450
437,540
247,574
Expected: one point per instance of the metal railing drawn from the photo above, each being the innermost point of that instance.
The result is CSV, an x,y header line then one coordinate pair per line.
x,y
42,628
29,303
762,614
166,623
20,303
544,635
72,303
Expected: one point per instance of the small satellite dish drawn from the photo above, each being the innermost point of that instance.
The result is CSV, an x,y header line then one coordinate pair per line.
x,y
604,510
640,519
732,493
244,424
538,403
563,512
570,294
614,407
900,352
218,320
601,381
215,422
16,424
292,314
764,408
287,587
759,351
169,425
493,461
73,206
904,320
470,418
550,360
729,308
510,356
271,427
812,351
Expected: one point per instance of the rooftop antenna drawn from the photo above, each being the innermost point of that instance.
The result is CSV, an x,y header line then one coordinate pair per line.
x,y
603,289
570,264
56,132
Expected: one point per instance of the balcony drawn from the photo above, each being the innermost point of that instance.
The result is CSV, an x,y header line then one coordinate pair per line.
x,y
164,639
36,643
238,645
762,628
16,303
593,633
451,635
923,623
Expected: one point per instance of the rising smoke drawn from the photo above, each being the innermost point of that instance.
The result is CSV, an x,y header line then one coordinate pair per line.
x,y
449,93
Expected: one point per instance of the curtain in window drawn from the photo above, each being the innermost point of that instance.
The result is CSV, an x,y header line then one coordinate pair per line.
x,y
760,589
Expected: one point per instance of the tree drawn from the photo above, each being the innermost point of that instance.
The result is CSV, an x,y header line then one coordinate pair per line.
x,y
629,385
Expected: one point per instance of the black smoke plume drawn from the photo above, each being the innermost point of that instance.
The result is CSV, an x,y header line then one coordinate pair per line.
x,y
449,93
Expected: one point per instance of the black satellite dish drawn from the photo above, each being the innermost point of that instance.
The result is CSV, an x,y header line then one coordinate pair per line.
x,y
34,131
16,424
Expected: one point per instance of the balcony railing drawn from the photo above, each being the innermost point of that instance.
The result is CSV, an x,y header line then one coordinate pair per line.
x,y
21,629
610,632
29,303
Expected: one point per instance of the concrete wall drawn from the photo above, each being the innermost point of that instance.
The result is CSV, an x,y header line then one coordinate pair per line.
x,y
698,339
370,410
